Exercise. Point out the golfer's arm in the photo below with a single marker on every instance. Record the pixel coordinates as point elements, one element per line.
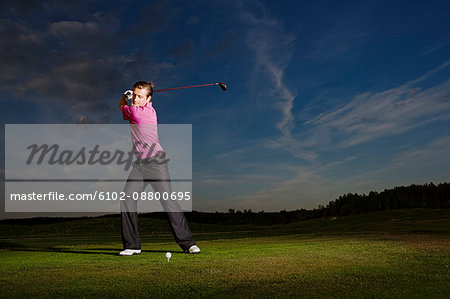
<point>122,102</point>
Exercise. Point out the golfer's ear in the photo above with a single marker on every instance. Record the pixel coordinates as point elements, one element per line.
<point>149,99</point>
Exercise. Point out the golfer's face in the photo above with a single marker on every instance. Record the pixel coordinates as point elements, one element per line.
<point>140,97</point>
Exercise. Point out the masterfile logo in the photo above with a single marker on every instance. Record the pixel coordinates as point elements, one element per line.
<point>83,168</point>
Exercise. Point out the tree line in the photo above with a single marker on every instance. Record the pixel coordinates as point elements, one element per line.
<point>412,197</point>
<point>415,196</point>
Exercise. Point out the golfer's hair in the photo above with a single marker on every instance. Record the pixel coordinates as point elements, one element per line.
<point>145,85</point>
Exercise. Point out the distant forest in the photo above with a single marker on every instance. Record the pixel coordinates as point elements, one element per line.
<point>412,197</point>
<point>429,196</point>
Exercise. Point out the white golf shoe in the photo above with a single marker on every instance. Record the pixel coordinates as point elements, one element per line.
<point>130,252</point>
<point>194,249</point>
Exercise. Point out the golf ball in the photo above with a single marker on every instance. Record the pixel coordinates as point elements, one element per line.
<point>168,255</point>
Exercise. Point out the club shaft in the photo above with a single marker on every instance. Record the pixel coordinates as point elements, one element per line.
<point>184,87</point>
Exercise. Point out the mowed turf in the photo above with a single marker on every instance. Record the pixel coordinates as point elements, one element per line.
<point>318,258</point>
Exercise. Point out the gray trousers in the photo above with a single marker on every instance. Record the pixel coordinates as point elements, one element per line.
<point>157,175</point>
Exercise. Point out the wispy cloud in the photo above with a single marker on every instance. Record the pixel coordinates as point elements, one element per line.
<point>438,46</point>
<point>272,46</point>
<point>369,116</point>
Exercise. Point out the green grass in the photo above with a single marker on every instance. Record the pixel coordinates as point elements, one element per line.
<point>392,254</point>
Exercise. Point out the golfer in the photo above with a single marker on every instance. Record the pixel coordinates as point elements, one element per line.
<point>151,167</point>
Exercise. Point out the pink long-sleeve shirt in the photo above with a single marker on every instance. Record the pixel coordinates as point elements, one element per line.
<point>144,130</point>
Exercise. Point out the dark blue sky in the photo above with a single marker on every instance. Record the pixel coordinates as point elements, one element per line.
<point>324,98</point>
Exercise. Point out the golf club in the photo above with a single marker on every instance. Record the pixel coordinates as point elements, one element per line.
<point>222,85</point>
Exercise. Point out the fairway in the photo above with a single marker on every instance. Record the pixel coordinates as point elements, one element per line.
<point>258,263</point>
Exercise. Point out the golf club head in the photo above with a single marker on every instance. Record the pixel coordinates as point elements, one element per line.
<point>222,85</point>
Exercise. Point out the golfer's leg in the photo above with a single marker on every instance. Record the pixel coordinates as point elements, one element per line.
<point>177,221</point>
<point>180,230</point>
<point>130,233</point>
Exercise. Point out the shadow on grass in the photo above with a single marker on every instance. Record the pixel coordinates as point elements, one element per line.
<point>13,246</point>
